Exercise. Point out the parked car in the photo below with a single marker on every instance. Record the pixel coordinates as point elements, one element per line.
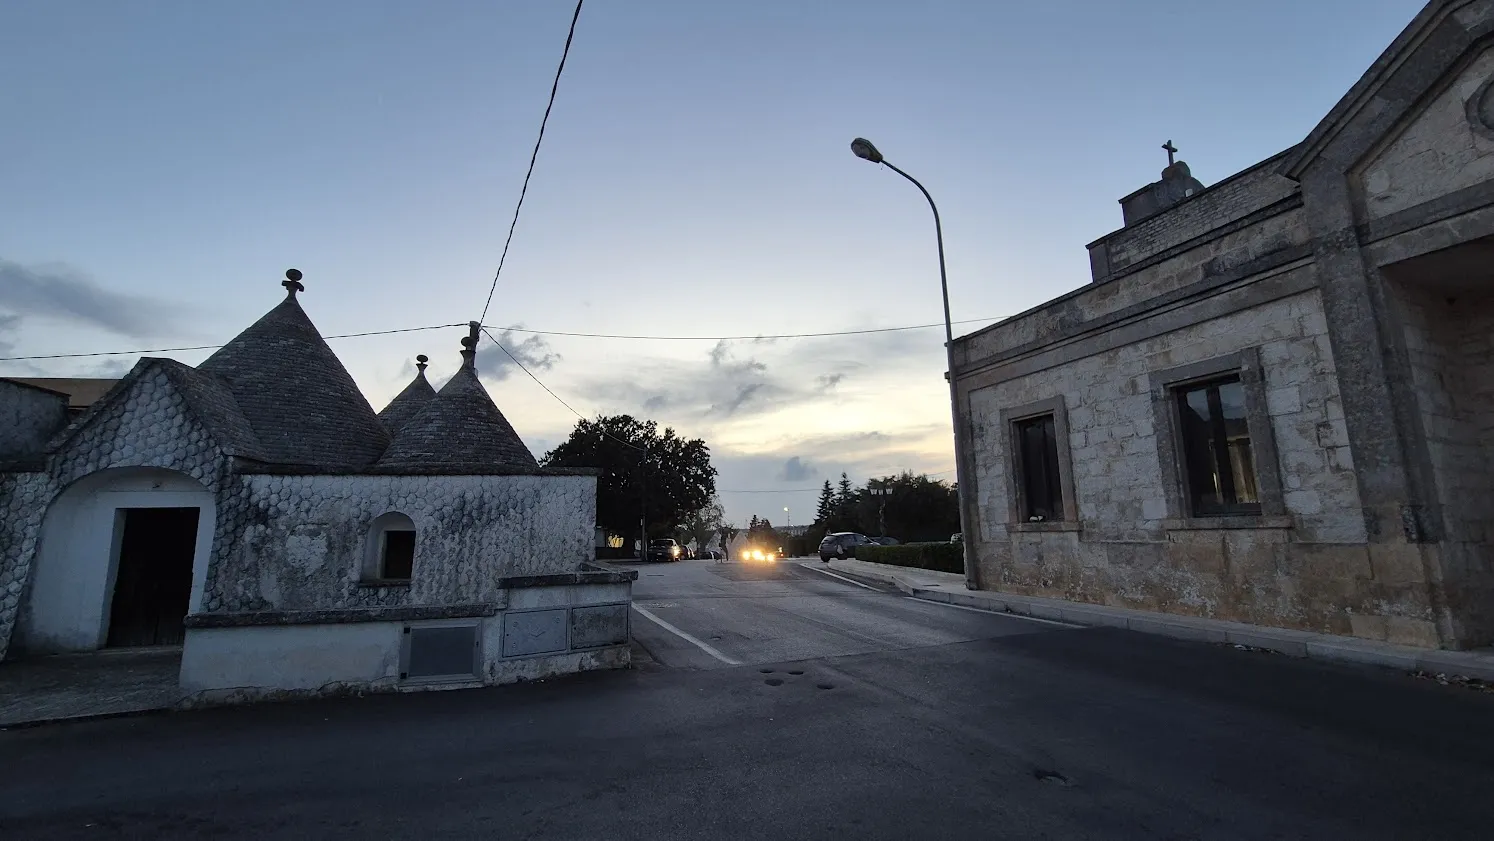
<point>665,549</point>
<point>842,544</point>
<point>885,541</point>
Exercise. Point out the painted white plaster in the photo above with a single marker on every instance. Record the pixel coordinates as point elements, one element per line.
<point>77,558</point>
<point>293,657</point>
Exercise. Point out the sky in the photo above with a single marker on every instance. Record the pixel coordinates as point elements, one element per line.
<point>164,162</point>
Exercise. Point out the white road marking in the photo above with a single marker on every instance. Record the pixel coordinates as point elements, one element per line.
<point>841,577</point>
<point>703,646</point>
<point>996,613</point>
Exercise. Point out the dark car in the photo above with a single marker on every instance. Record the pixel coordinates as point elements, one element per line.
<point>666,549</point>
<point>842,544</point>
<point>885,541</point>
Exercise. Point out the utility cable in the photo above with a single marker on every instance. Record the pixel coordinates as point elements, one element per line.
<point>552,393</point>
<point>521,330</point>
<point>215,347</point>
<point>741,338</point>
<point>534,156</point>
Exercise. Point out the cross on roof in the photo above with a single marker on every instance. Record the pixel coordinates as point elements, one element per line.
<point>1171,150</point>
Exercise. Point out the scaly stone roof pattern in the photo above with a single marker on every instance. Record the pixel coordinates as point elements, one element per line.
<point>408,403</point>
<point>461,427</point>
<point>295,394</point>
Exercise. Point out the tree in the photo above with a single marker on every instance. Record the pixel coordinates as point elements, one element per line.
<point>632,456</point>
<point>920,508</point>
<point>826,509</point>
<point>703,526</point>
<point>761,534</point>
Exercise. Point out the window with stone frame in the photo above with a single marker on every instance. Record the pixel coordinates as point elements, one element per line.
<point>1039,480</point>
<point>1218,460</point>
<point>390,558</point>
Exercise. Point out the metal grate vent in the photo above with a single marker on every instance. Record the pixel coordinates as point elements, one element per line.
<point>442,652</point>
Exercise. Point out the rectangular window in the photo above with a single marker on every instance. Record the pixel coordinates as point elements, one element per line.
<point>1037,447</point>
<point>1219,465</point>
<point>399,555</point>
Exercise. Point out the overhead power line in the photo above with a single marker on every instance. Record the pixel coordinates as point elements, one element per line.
<point>552,393</point>
<point>214,347</point>
<point>534,156</point>
<point>517,330</point>
<point>804,490</point>
<point>743,338</point>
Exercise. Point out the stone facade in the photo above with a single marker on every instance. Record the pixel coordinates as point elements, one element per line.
<point>1345,284</point>
<point>295,510</point>
<point>298,542</point>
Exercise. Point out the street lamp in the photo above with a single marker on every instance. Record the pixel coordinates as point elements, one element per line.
<point>864,149</point>
<point>881,492</point>
<point>787,517</point>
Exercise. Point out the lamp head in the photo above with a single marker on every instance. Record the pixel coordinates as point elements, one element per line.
<point>864,150</point>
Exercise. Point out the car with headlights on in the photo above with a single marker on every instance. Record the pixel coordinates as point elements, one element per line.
<point>760,554</point>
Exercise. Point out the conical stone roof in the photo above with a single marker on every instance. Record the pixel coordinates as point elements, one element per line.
<point>460,428</point>
<point>408,403</point>
<point>303,406</point>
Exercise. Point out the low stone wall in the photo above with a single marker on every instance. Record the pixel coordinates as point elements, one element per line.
<point>543,627</point>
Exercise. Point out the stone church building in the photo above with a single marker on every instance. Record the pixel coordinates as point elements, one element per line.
<point>257,512</point>
<point>1274,403</point>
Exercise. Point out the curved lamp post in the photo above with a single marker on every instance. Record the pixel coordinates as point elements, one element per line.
<point>864,149</point>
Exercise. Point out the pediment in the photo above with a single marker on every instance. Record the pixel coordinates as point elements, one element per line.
<point>1408,81</point>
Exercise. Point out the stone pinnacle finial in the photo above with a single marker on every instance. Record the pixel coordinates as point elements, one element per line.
<point>469,345</point>
<point>420,361</point>
<point>292,282</point>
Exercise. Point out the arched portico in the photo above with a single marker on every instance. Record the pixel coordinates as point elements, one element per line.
<point>122,558</point>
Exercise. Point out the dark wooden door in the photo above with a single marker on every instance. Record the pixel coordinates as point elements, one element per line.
<point>154,583</point>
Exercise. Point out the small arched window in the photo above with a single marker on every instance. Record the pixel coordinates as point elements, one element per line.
<point>391,548</point>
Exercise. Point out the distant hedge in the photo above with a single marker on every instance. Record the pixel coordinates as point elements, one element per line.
<point>943,557</point>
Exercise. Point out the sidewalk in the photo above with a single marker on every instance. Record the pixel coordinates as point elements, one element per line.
<point>75,686</point>
<point>950,588</point>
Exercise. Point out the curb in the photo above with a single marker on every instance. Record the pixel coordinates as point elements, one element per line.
<point>77,719</point>
<point>1303,644</point>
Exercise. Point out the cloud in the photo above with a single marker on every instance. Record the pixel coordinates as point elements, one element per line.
<point>64,293</point>
<point>829,381</point>
<point>797,470</point>
<point>534,352</point>
<point>9,326</point>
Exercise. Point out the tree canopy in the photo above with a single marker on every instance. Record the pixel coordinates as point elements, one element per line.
<point>917,508</point>
<point>633,457</point>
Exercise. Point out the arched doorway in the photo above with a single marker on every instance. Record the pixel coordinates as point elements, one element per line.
<point>122,559</point>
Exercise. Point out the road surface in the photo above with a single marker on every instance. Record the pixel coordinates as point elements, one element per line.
<point>827,710</point>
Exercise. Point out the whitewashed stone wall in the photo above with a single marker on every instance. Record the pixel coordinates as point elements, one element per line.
<point>1438,153</point>
<point>27,417</point>
<point>288,542</point>
<point>301,539</point>
<point>1117,473</point>
<point>150,427</point>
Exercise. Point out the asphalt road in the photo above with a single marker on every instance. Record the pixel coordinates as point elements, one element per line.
<point>881,717</point>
